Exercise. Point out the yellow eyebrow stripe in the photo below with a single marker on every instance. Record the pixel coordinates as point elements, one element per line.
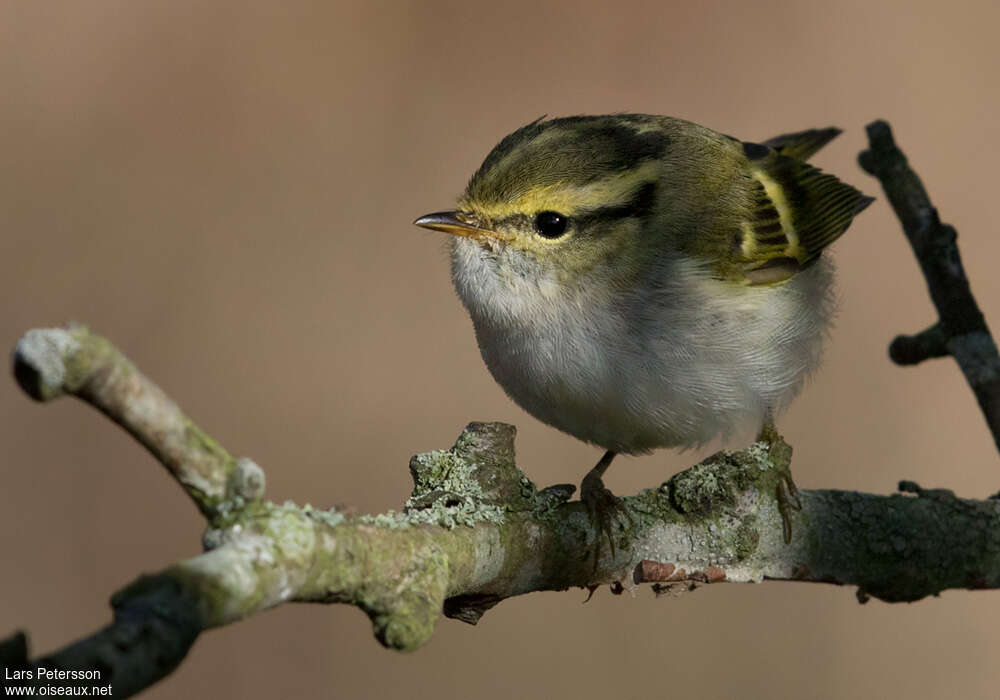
<point>571,199</point>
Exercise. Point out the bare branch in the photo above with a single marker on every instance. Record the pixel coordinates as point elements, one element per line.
<point>961,330</point>
<point>913,349</point>
<point>153,629</point>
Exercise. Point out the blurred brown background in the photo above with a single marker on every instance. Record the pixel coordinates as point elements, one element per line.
<point>225,189</point>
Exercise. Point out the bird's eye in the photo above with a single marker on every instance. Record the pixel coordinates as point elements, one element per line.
<point>551,224</point>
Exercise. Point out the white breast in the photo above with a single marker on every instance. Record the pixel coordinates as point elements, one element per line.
<point>692,361</point>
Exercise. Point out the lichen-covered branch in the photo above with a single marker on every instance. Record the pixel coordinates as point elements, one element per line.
<point>51,362</point>
<point>476,530</point>
<point>961,329</point>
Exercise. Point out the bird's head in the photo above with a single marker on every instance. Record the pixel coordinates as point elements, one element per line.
<point>565,195</point>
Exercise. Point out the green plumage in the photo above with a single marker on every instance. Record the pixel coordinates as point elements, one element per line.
<point>796,210</point>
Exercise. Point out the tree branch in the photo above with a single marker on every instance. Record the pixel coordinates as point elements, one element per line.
<point>476,530</point>
<point>51,362</point>
<point>961,329</point>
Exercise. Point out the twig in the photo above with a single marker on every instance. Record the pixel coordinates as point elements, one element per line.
<point>51,362</point>
<point>961,330</point>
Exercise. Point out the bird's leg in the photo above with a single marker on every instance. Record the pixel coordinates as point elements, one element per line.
<point>786,491</point>
<point>603,507</point>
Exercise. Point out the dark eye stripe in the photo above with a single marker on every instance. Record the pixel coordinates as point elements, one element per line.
<point>514,221</point>
<point>639,205</point>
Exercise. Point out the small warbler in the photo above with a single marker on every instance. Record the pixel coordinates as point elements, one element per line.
<point>640,281</point>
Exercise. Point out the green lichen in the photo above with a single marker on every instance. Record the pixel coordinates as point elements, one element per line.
<point>759,455</point>
<point>711,485</point>
<point>446,492</point>
<point>90,352</point>
<point>709,495</point>
<point>200,442</point>
<point>542,503</point>
<point>747,538</point>
<point>225,509</point>
<point>207,486</point>
<point>704,488</point>
<point>404,617</point>
<point>465,513</point>
<point>329,517</point>
<point>650,507</point>
<point>466,442</point>
<point>441,470</point>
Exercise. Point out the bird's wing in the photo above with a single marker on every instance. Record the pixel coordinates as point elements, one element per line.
<point>803,144</point>
<point>795,210</point>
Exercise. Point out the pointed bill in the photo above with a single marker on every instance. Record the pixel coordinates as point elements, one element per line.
<point>458,224</point>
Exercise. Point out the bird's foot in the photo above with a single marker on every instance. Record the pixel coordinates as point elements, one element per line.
<point>786,492</point>
<point>607,512</point>
<point>788,501</point>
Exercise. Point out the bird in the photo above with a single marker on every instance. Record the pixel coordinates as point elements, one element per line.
<point>641,282</point>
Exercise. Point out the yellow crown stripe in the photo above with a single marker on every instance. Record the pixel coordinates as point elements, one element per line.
<point>569,199</point>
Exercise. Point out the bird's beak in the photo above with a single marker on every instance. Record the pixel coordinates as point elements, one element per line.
<point>457,224</point>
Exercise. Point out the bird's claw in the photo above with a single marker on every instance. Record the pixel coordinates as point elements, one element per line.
<point>788,501</point>
<point>786,492</point>
<point>606,511</point>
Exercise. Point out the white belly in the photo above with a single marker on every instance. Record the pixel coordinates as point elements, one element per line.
<point>698,360</point>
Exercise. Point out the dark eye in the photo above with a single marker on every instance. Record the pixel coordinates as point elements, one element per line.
<point>551,224</point>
